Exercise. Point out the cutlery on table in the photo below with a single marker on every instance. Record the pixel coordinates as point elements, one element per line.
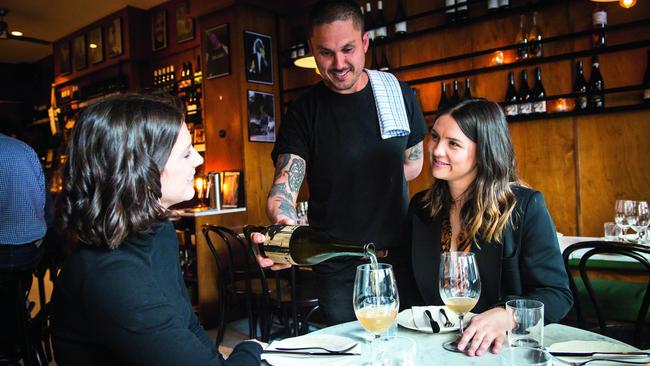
<point>630,354</point>
<point>345,349</point>
<point>311,353</point>
<point>434,326</point>
<point>447,323</point>
<point>618,361</point>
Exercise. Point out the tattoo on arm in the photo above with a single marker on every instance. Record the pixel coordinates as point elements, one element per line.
<point>287,209</point>
<point>280,191</point>
<point>281,163</point>
<point>416,152</point>
<point>296,174</point>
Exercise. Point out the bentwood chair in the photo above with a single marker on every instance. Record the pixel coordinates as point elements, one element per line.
<point>621,331</point>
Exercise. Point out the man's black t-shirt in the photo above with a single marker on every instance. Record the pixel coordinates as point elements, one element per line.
<point>357,189</point>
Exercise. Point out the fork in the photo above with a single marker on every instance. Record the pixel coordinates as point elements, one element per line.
<point>447,323</point>
<point>619,361</point>
<point>347,348</point>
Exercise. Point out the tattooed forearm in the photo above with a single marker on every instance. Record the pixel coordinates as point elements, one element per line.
<point>416,152</point>
<point>280,190</point>
<point>296,174</point>
<point>287,209</point>
<point>281,163</point>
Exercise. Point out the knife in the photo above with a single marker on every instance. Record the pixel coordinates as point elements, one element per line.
<point>592,354</point>
<point>435,328</point>
<point>312,353</point>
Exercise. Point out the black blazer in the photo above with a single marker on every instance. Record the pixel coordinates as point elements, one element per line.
<point>528,264</point>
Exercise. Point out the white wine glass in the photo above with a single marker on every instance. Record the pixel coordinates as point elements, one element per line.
<point>642,218</point>
<point>460,287</point>
<point>624,210</point>
<point>375,299</point>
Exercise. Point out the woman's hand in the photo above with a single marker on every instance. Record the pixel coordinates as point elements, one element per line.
<point>485,329</point>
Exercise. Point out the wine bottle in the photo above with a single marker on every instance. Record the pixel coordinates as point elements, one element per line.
<point>304,245</point>
<point>535,39</point>
<point>455,96</point>
<point>380,31</point>
<point>468,92</point>
<point>374,65</point>
<point>450,13</point>
<point>383,63</point>
<point>511,96</point>
<point>400,18</point>
<point>539,103</point>
<point>596,86</point>
<point>443,102</point>
<point>580,87</point>
<point>504,4</point>
<point>492,6</point>
<point>525,95</point>
<point>646,79</point>
<point>522,41</point>
<point>370,24</point>
<point>599,22</point>
<point>462,10</point>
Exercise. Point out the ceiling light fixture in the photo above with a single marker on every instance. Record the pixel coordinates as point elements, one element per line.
<point>627,3</point>
<point>308,62</point>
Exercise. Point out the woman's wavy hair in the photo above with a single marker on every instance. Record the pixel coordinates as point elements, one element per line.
<point>111,178</point>
<point>489,200</point>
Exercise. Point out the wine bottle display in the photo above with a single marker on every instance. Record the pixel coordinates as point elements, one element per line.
<point>462,11</point>
<point>535,36</point>
<point>380,31</point>
<point>370,24</point>
<point>596,86</point>
<point>511,96</point>
<point>442,103</point>
<point>599,22</point>
<point>400,18</point>
<point>525,105</point>
<point>451,10</point>
<point>522,40</point>
<point>467,94</point>
<point>539,103</point>
<point>303,245</point>
<point>580,87</point>
<point>383,63</point>
<point>455,95</point>
<point>492,5</point>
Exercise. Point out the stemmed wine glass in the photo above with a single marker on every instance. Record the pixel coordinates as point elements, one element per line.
<point>460,287</point>
<point>642,218</point>
<point>375,299</point>
<point>624,215</point>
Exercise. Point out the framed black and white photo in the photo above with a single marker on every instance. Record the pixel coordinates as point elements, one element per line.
<point>216,48</point>
<point>261,116</point>
<point>79,52</point>
<point>184,23</point>
<point>95,46</point>
<point>114,38</point>
<point>64,59</point>
<point>159,30</point>
<point>258,58</point>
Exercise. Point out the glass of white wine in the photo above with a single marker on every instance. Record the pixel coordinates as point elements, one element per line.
<point>375,299</point>
<point>624,215</point>
<point>460,287</point>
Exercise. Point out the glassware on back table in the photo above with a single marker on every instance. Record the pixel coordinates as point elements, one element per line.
<point>460,287</point>
<point>375,299</point>
<point>642,218</point>
<point>624,212</point>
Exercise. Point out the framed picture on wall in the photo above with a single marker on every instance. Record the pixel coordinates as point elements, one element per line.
<point>95,46</point>
<point>79,52</point>
<point>258,58</point>
<point>216,50</point>
<point>64,58</point>
<point>261,116</point>
<point>114,38</point>
<point>159,30</point>
<point>184,23</point>
<point>232,190</point>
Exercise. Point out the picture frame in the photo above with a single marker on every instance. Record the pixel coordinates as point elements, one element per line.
<point>232,192</point>
<point>261,116</point>
<point>65,66</point>
<point>79,52</point>
<point>198,135</point>
<point>258,58</point>
<point>114,38</point>
<point>159,30</point>
<point>184,23</point>
<point>216,51</point>
<point>95,46</point>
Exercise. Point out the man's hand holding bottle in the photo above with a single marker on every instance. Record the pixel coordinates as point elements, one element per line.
<point>258,239</point>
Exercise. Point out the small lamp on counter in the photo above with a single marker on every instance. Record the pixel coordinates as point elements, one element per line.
<point>199,184</point>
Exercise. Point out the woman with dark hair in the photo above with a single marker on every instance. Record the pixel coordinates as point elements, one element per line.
<point>120,298</point>
<point>477,204</point>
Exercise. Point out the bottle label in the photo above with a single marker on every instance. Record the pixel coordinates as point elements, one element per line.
<point>381,32</point>
<point>503,3</point>
<point>511,110</point>
<point>450,3</point>
<point>539,106</point>
<point>400,27</point>
<point>371,34</point>
<point>582,102</point>
<point>525,108</point>
<point>462,5</point>
<point>599,18</point>
<point>277,243</point>
<point>493,4</point>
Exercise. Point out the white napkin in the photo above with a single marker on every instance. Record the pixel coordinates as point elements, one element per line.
<point>421,320</point>
<point>391,110</point>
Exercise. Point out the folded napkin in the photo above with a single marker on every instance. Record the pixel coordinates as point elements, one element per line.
<point>391,110</point>
<point>420,319</point>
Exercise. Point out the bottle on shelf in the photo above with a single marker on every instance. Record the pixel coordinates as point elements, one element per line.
<point>380,31</point>
<point>492,6</point>
<point>524,99</point>
<point>522,40</point>
<point>599,22</point>
<point>369,22</point>
<point>462,10</point>
<point>455,95</point>
<point>646,79</point>
<point>450,12</point>
<point>596,85</point>
<point>374,63</point>
<point>580,87</point>
<point>539,94</point>
<point>511,99</point>
<point>504,4</point>
<point>400,18</point>
<point>383,63</point>
<point>535,38</point>
<point>467,94</point>
<point>304,245</point>
<point>443,102</point>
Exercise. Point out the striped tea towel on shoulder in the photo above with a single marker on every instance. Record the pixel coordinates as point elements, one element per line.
<point>391,111</point>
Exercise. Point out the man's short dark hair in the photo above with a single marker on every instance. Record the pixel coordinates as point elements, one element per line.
<point>329,11</point>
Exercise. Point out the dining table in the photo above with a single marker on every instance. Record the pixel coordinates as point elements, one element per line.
<point>429,350</point>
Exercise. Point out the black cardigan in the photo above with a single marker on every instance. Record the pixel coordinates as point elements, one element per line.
<point>129,306</point>
<point>528,264</point>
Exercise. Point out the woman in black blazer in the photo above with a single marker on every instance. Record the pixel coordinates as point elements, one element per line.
<point>477,204</point>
